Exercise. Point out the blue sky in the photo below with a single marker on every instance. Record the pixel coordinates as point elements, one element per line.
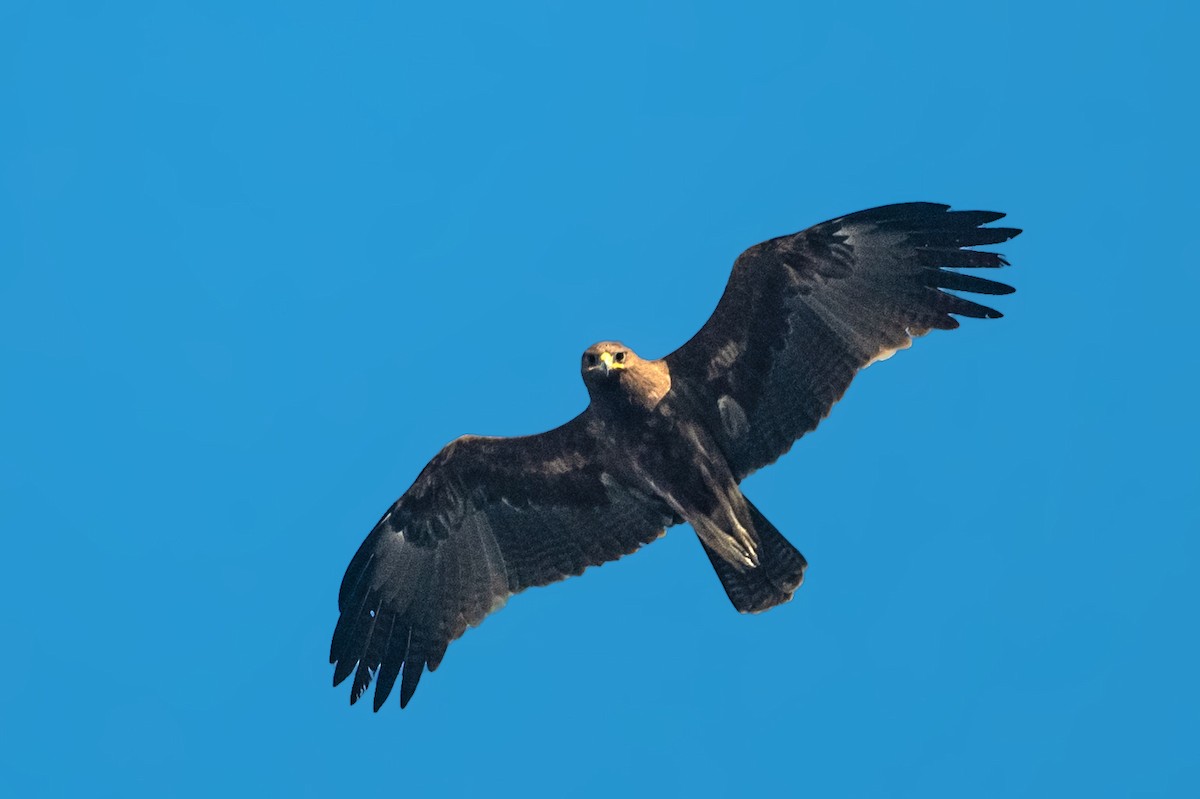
<point>258,262</point>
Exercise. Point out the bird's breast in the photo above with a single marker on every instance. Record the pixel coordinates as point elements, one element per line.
<point>656,454</point>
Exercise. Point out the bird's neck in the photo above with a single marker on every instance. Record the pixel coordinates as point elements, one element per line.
<point>634,390</point>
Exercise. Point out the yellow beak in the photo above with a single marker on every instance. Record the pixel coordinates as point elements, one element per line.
<point>606,358</point>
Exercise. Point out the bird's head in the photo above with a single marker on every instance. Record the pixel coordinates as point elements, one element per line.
<point>612,371</point>
<point>606,360</point>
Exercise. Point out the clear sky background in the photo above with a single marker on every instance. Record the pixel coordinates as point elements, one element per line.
<point>259,261</point>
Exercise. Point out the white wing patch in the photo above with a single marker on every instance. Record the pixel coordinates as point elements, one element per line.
<point>733,418</point>
<point>884,354</point>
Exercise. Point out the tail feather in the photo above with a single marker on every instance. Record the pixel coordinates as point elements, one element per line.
<point>779,573</point>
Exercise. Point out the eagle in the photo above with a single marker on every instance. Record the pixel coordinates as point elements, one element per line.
<point>662,441</point>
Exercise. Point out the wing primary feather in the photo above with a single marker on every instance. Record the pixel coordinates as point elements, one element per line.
<point>973,218</point>
<point>345,631</point>
<point>414,665</point>
<point>963,237</point>
<point>896,212</point>
<point>393,659</point>
<point>358,570</point>
<point>957,305</point>
<point>349,656</point>
<point>937,278</point>
<point>368,659</point>
<point>959,259</point>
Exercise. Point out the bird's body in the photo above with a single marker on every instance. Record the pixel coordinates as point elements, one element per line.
<point>645,443</point>
<point>662,442</point>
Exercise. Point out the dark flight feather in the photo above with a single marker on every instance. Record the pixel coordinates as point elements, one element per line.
<point>488,517</point>
<point>802,314</point>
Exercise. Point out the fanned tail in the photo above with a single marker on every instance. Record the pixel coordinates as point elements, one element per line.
<point>773,582</point>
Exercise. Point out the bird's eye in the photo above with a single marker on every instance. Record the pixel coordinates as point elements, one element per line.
<point>619,357</point>
<point>590,358</point>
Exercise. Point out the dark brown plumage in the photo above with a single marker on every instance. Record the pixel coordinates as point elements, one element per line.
<point>662,441</point>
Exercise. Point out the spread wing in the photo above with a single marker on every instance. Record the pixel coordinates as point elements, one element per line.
<point>488,517</point>
<point>802,314</point>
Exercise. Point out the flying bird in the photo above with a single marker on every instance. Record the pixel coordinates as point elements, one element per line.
<point>662,441</point>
